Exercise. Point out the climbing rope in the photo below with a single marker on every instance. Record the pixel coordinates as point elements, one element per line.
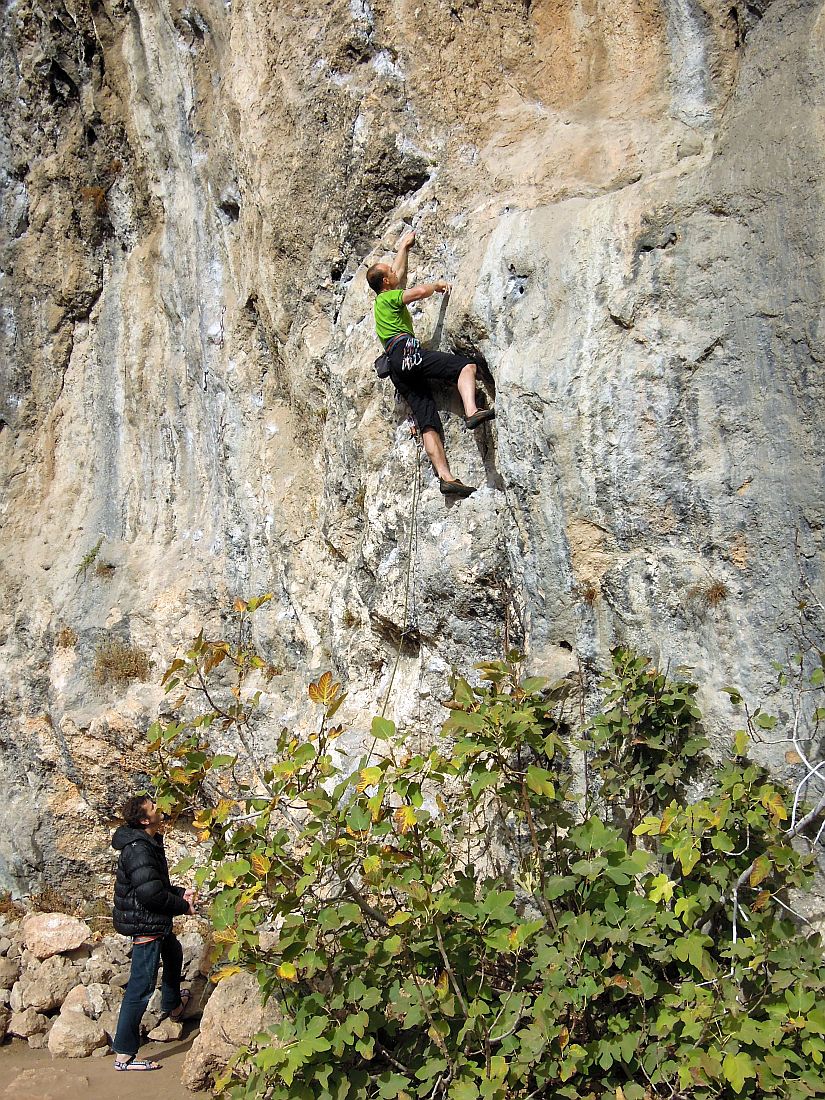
<point>409,584</point>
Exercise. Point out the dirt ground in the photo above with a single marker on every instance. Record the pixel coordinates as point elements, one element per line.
<point>27,1074</point>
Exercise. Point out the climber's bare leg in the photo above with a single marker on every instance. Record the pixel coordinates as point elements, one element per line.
<point>434,447</point>
<point>467,389</point>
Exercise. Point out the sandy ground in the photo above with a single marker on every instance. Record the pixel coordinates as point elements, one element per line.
<point>27,1074</point>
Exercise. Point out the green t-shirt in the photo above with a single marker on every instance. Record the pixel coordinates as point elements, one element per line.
<point>391,315</point>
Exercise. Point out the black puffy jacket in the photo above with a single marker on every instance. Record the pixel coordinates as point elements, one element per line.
<point>145,899</point>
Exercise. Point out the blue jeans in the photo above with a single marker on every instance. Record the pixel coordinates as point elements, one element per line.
<point>146,958</point>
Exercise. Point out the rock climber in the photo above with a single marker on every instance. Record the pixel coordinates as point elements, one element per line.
<point>413,368</point>
<point>145,903</point>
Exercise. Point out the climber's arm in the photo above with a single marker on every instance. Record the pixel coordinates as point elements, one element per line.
<point>424,290</point>
<point>399,264</point>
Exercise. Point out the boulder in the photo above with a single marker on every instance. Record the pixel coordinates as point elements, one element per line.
<point>195,961</point>
<point>26,1023</point>
<point>102,998</point>
<point>9,972</point>
<point>74,1035</point>
<point>48,986</point>
<point>77,1000</point>
<point>108,1021</point>
<point>5,945</point>
<point>233,1014</point>
<point>166,1031</point>
<point>98,969</point>
<point>47,934</point>
<point>115,948</point>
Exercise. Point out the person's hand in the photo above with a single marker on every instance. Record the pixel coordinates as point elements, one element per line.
<point>441,287</point>
<point>407,241</point>
<point>191,897</point>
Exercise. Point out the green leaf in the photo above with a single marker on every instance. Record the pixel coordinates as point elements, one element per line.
<point>358,819</point>
<point>383,729</point>
<point>540,782</point>
<point>303,754</point>
<point>738,1068</point>
<point>465,720</point>
<point>463,1090</point>
<point>661,889</point>
<point>231,871</point>
<point>183,865</point>
<point>480,780</point>
<point>534,684</point>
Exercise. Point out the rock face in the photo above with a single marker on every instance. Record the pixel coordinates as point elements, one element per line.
<point>626,199</point>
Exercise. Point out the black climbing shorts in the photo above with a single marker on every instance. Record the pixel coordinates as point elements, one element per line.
<point>414,385</point>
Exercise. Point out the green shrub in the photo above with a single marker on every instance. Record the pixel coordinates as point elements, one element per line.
<point>461,923</point>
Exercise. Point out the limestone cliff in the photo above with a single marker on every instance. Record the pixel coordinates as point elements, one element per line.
<point>627,197</point>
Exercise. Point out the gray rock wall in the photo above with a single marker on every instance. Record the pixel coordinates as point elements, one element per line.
<point>627,199</point>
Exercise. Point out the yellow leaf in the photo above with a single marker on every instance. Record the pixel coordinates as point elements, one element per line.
<point>761,870</point>
<point>399,918</point>
<point>223,809</point>
<point>405,818</point>
<point>225,935</point>
<point>239,605</point>
<point>372,867</point>
<point>288,972</point>
<point>762,899</point>
<point>443,985</point>
<point>225,972</point>
<point>619,1093</point>
<point>741,742</point>
<point>376,805</point>
<point>564,1038</point>
<point>324,690</point>
<point>260,864</point>
<point>368,777</point>
<point>775,806</point>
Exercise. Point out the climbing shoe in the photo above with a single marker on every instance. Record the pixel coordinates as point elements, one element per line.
<point>455,488</point>
<point>479,418</point>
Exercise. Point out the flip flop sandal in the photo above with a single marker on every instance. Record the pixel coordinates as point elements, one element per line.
<point>142,1065</point>
<point>177,1015</point>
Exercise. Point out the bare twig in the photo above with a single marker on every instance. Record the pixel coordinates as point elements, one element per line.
<point>449,969</point>
<point>789,835</point>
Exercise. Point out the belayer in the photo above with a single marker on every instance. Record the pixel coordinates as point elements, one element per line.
<point>412,368</point>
